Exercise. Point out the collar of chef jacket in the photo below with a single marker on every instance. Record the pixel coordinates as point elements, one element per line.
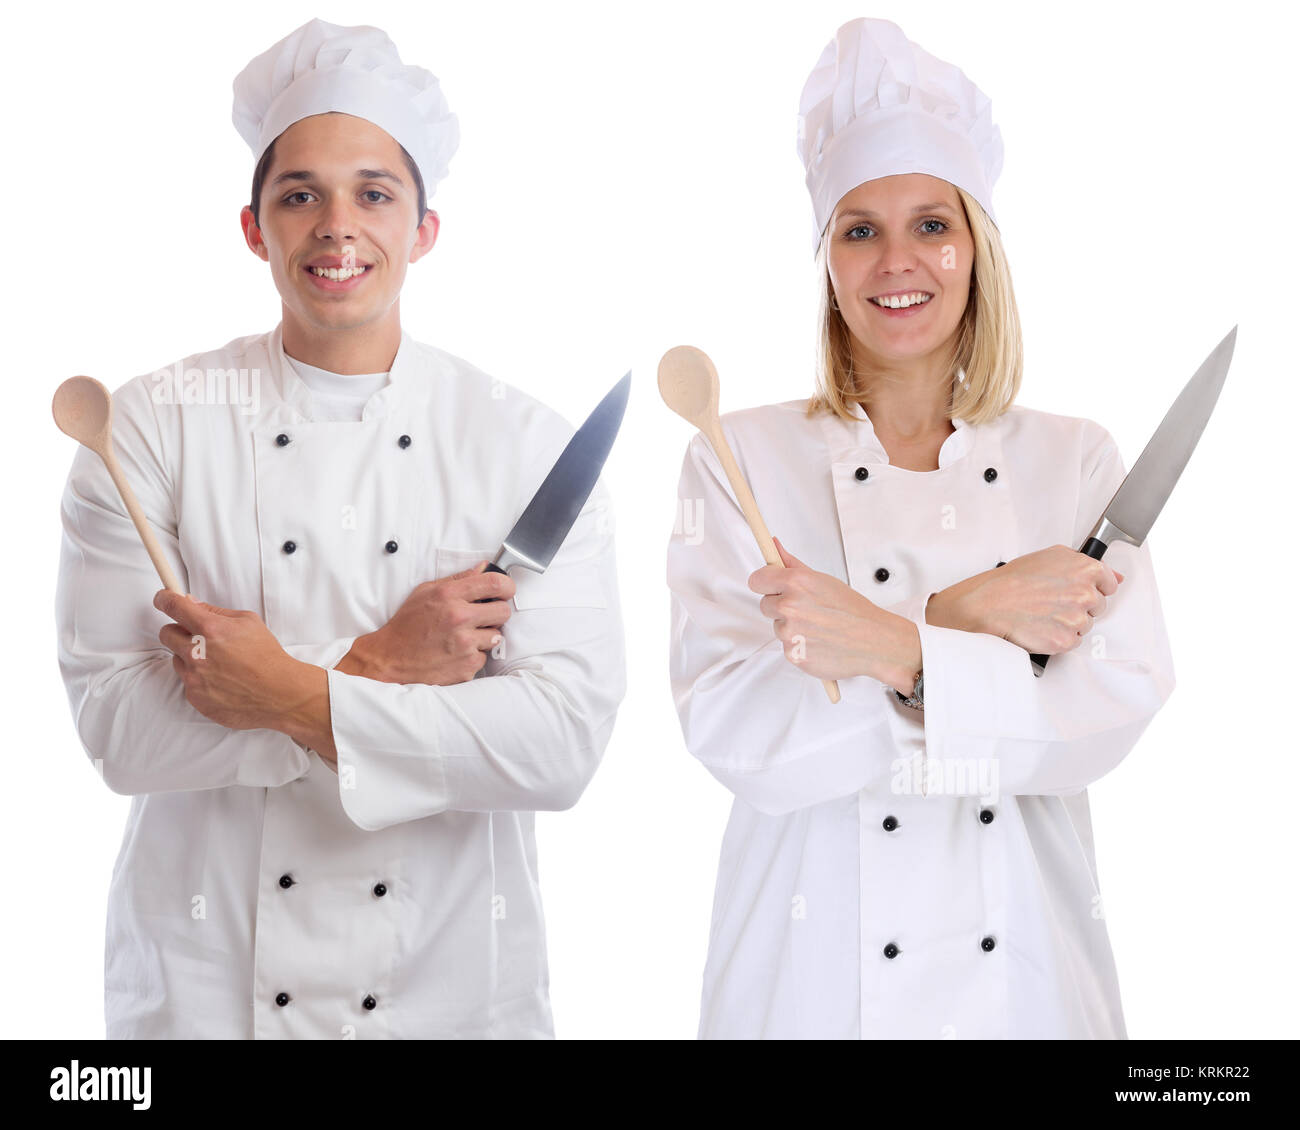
<point>297,394</point>
<point>865,442</point>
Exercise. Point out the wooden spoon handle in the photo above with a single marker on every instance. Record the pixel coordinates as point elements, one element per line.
<point>713,432</point>
<point>141,523</point>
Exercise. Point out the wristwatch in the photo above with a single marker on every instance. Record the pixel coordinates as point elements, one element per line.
<point>917,699</point>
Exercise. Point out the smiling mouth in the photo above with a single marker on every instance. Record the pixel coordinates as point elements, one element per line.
<point>338,274</point>
<point>902,301</point>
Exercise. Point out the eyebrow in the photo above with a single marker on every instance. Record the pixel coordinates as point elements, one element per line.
<point>933,207</point>
<point>301,175</point>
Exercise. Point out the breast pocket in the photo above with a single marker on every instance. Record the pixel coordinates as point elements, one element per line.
<point>448,561</point>
<point>530,630</point>
<point>575,586</point>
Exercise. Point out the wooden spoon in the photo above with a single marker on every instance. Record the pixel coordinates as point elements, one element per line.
<point>83,409</point>
<point>688,383</point>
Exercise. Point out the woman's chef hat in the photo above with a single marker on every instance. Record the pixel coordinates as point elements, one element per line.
<point>876,104</point>
<point>356,70</point>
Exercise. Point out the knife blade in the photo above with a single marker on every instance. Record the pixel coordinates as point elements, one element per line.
<point>548,518</point>
<point>1137,503</point>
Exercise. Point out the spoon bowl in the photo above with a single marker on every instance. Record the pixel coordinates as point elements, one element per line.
<point>83,409</point>
<point>688,383</point>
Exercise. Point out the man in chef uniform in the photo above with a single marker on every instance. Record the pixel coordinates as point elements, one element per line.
<point>335,745</point>
<point>917,860</point>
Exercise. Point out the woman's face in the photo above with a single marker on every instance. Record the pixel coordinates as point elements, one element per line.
<point>900,235</point>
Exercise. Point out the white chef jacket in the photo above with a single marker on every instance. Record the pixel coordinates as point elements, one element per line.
<point>399,897</point>
<point>888,872</point>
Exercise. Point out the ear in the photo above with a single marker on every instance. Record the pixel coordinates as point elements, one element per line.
<point>426,235</point>
<point>253,234</point>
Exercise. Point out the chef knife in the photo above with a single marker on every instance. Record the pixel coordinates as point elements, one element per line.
<point>547,519</point>
<point>1135,505</point>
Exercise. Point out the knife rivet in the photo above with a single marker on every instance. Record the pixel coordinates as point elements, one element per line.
<point>403,441</point>
<point>391,546</point>
<point>860,474</point>
<point>990,474</point>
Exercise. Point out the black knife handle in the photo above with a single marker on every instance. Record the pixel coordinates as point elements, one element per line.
<point>1095,549</point>
<point>492,567</point>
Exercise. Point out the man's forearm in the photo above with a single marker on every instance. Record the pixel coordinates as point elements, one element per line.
<point>364,659</point>
<point>305,716</point>
<point>307,713</point>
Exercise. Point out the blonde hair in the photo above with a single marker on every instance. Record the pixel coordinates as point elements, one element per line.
<point>987,347</point>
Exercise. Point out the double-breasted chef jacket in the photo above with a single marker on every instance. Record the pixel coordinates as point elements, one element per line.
<point>257,892</point>
<point>888,872</point>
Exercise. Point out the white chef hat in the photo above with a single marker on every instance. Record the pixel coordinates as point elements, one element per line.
<point>877,104</point>
<point>356,70</point>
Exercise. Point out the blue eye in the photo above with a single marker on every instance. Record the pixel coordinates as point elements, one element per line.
<point>849,234</point>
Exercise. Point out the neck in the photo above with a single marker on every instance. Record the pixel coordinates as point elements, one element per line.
<point>368,348</point>
<point>906,400</point>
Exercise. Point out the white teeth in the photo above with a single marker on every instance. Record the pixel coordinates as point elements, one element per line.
<point>336,273</point>
<point>902,301</point>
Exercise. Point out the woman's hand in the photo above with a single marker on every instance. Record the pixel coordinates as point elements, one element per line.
<point>831,630</point>
<point>1045,601</point>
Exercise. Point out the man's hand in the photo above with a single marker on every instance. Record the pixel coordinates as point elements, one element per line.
<point>234,670</point>
<point>236,673</point>
<point>439,635</point>
<point>831,630</point>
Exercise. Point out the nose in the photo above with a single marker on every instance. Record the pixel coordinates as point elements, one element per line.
<point>896,254</point>
<point>337,221</point>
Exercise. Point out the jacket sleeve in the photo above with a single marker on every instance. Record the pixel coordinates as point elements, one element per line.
<point>127,703</point>
<point>528,732</point>
<point>761,726</point>
<point>988,720</point>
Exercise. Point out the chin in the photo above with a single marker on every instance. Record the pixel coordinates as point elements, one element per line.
<point>911,351</point>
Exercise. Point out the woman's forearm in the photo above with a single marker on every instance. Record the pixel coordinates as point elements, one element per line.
<point>958,606</point>
<point>893,645</point>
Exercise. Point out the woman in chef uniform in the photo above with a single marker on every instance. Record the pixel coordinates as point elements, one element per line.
<point>916,860</point>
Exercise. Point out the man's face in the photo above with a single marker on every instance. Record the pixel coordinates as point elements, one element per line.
<point>338,199</point>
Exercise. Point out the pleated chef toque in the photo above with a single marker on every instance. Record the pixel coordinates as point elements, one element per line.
<point>877,104</point>
<point>356,70</point>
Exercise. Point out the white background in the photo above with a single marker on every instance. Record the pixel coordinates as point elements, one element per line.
<point>627,181</point>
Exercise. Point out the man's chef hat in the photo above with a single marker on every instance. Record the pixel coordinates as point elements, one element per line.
<point>322,67</point>
<point>877,104</point>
